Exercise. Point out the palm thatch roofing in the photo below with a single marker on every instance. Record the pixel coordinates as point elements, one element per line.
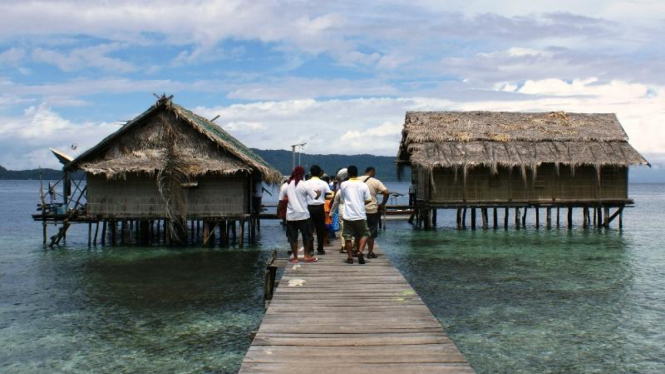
<point>167,132</point>
<point>508,139</point>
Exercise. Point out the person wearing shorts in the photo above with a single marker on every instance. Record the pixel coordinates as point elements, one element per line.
<point>374,208</point>
<point>356,195</point>
<point>297,214</point>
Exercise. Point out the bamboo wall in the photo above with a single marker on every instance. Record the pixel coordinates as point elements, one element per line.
<point>137,197</point>
<point>510,185</point>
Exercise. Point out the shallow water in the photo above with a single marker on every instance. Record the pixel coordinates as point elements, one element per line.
<point>527,301</point>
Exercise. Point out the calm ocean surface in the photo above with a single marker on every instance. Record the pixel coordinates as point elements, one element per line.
<point>527,301</point>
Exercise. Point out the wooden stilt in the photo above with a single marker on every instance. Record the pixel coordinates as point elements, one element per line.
<point>496,218</point>
<point>44,231</point>
<point>517,218</point>
<point>222,230</point>
<point>585,213</point>
<point>242,232</point>
<point>505,218</point>
<point>434,217</point>
<point>89,234</point>
<point>606,223</point>
<point>206,233</point>
<point>94,240</point>
<point>104,232</point>
<point>621,218</point>
<point>537,217</point>
<point>570,217</point>
<point>473,218</point>
<point>191,231</point>
<point>549,217</point>
<point>464,218</point>
<point>526,209</point>
<point>558,211</point>
<point>483,213</point>
<point>459,218</point>
<point>595,216</point>
<point>114,232</point>
<point>167,232</point>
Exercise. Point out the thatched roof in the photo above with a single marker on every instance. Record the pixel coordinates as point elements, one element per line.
<point>167,130</point>
<point>467,139</point>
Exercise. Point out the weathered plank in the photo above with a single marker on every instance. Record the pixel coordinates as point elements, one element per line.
<point>330,317</point>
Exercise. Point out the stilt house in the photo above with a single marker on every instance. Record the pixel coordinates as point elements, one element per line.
<point>171,164</point>
<point>480,159</point>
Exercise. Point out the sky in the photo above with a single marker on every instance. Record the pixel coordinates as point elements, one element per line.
<point>337,75</point>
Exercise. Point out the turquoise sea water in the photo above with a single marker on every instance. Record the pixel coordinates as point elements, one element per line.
<point>516,301</point>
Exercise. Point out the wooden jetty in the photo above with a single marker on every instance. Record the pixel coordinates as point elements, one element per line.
<point>332,317</point>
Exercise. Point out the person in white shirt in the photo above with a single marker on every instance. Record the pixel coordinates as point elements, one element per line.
<point>356,195</point>
<point>374,208</point>
<point>315,206</point>
<point>297,214</point>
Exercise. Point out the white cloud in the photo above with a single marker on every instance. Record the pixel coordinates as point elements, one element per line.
<point>25,139</point>
<point>12,56</point>
<point>80,58</point>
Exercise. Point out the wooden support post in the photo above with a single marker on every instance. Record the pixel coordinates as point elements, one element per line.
<point>94,240</point>
<point>167,232</point>
<point>570,217</point>
<point>558,211</point>
<point>473,218</point>
<point>621,218</point>
<point>517,217</point>
<point>483,213</point>
<point>233,230</point>
<point>600,216</point>
<point>526,209</point>
<point>496,218</point>
<point>104,232</point>
<point>198,228</point>
<point>222,231</point>
<point>242,231</point>
<point>606,214</point>
<point>505,218</point>
<point>434,217</point>
<point>206,233</point>
<point>213,228</point>
<point>549,217</point>
<point>537,208</point>
<point>613,216</point>
<point>89,234</point>
<point>459,218</point>
<point>464,219</point>
<point>191,231</point>
<point>44,230</point>
<point>585,213</point>
<point>595,216</point>
<point>114,232</point>
<point>123,227</point>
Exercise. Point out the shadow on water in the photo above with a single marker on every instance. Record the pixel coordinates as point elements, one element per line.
<point>526,301</point>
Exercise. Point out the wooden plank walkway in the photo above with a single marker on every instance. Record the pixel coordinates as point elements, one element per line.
<point>331,317</point>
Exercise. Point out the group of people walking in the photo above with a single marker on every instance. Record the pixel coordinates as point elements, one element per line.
<point>310,203</point>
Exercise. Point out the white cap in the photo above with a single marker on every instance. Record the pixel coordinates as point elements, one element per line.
<point>342,174</point>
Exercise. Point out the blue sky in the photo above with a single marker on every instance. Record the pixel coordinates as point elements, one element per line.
<point>337,75</point>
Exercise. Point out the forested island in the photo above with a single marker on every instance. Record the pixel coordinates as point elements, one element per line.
<point>280,159</point>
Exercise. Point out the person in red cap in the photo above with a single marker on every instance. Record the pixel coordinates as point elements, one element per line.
<point>297,214</point>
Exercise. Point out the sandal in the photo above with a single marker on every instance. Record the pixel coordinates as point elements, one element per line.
<point>311,259</point>
<point>349,261</point>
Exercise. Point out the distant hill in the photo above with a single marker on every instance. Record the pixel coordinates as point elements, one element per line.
<point>47,174</point>
<point>283,160</point>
